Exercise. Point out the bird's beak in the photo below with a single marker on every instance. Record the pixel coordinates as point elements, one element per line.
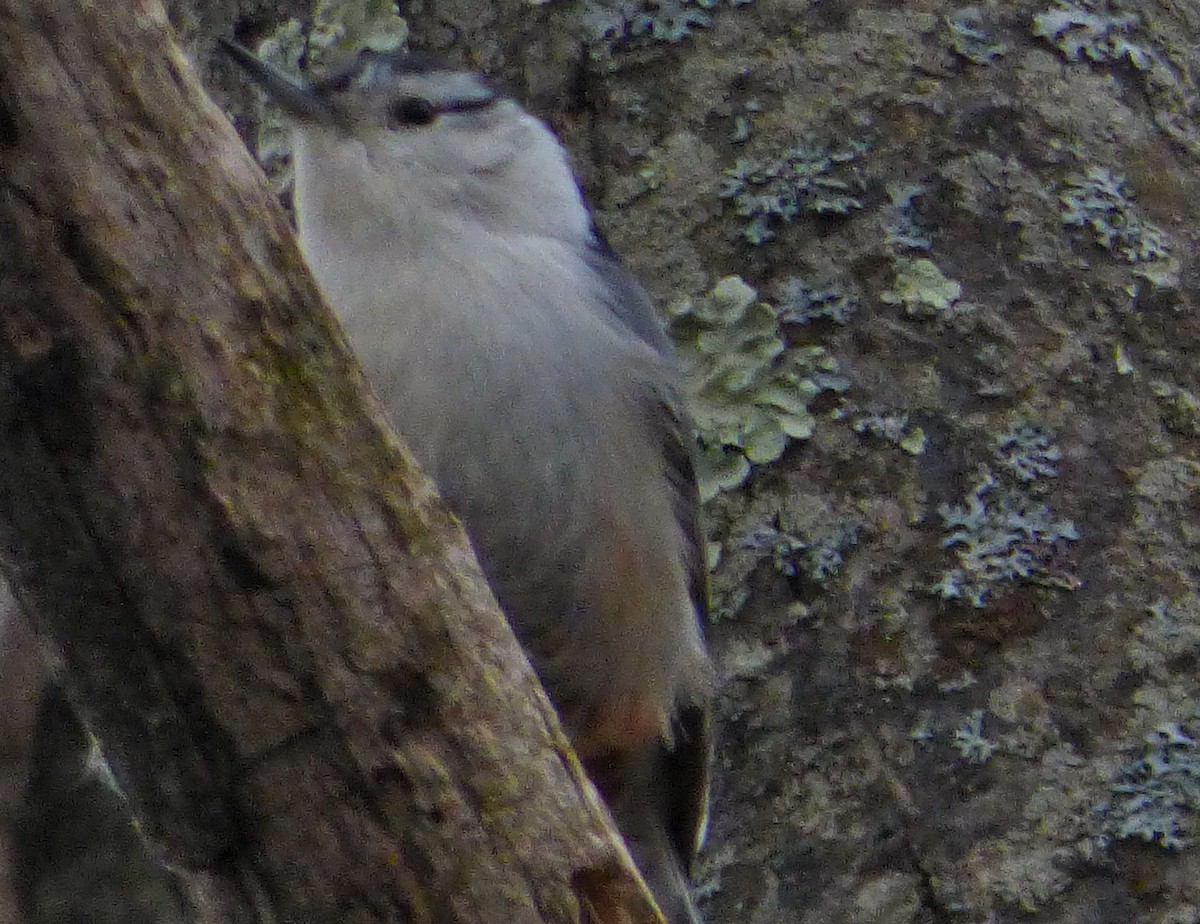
<point>299,100</point>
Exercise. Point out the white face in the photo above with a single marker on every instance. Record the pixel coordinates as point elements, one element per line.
<point>414,140</point>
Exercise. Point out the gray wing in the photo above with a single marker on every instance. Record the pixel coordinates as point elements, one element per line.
<point>624,296</point>
<point>677,438</point>
<point>688,764</point>
<point>632,308</point>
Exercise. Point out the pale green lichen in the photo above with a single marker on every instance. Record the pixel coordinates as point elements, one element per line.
<point>613,24</point>
<point>1169,637</point>
<point>1083,34</point>
<point>922,732</point>
<point>892,427</point>
<point>653,171</point>
<point>1093,33</point>
<point>799,538</point>
<point>964,681</point>
<point>809,178</point>
<point>799,553</point>
<point>1098,200</point>
<point>914,442</point>
<point>1002,535</point>
<point>750,390</point>
<point>1121,360</point>
<point>1157,797</point>
<point>1028,452</point>
<point>969,741</point>
<point>743,122</point>
<point>1180,409</point>
<point>970,40</point>
<point>803,301</point>
<point>921,289</point>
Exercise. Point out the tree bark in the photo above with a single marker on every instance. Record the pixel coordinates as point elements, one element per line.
<point>264,612</point>
<point>20,684</point>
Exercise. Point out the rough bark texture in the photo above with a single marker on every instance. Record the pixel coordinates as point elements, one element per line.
<point>21,678</point>
<point>263,611</point>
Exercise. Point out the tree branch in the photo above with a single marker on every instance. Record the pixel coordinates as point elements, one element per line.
<point>267,616</point>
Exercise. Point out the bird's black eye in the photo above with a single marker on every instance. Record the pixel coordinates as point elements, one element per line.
<point>410,111</point>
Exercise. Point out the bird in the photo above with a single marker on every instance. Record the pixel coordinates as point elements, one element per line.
<point>527,370</point>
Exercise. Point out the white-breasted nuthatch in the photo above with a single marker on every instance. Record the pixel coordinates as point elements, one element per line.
<point>527,371</point>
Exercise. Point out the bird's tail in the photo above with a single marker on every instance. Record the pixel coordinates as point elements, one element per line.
<point>640,788</point>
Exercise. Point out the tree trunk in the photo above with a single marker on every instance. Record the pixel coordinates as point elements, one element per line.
<point>264,612</point>
<point>20,684</point>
